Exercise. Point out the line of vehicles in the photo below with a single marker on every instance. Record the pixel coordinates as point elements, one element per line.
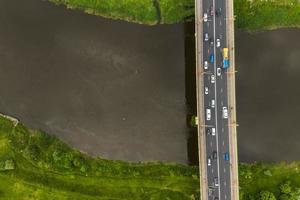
<point>223,65</point>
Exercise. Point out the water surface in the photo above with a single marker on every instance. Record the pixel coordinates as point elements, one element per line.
<point>109,88</point>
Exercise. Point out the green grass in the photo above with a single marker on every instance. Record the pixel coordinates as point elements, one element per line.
<point>35,165</point>
<point>254,15</point>
<point>138,11</point>
<point>259,15</point>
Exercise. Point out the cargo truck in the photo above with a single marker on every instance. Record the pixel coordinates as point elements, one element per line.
<point>225,58</point>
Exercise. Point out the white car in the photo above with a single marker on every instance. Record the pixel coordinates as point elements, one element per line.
<point>205,64</point>
<point>216,181</point>
<point>225,112</point>
<point>206,90</point>
<point>218,43</point>
<point>205,17</point>
<point>213,131</point>
<point>208,161</point>
<point>212,79</point>
<point>212,103</point>
<point>208,114</point>
<point>206,37</point>
<point>218,71</point>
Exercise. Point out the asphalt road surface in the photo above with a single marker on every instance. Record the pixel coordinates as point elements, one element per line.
<point>218,173</point>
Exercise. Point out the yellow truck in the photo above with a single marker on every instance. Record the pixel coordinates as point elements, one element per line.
<point>225,58</point>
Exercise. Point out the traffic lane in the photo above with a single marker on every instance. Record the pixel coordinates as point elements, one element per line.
<point>210,139</point>
<point>224,136</point>
<point>223,130</point>
<point>212,171</point>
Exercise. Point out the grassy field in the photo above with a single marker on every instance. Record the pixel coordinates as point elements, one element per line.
<point>256,15</point>
<point>139,11</point>
<point>251,15</point>
<point>35,165</point>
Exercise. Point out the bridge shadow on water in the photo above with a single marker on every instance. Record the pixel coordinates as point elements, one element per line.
<point>190,90</point>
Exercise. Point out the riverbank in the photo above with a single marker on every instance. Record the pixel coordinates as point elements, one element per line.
<point>39,166</point>
<point>35,165</point>
<point>139,11</point>
<point>254,15</point>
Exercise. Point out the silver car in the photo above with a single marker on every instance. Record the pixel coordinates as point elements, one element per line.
<point>218,71</point>
<point>212,79</point>
<point>208,161</point>
<point>213,131</point>
<point>206,90</point>
<point>205,17</point>
<point>225,112</point>
<point>212,103</point>
<point>216,181</point>
<point>206,37</point>
<point>208,114</point>
<point>218,43</point>
<point>205,64</point>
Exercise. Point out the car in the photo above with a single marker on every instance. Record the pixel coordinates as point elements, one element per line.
<point>215,155</point>
<point>219,71</point>
<point>225,112</point>
<point>212,58</point>
<point>218,12</point>
<point>208,131</point>
<point>211,42</point>
<point>226,156</point>
<point>208,161</point>
<point>210,191</point>
<point>208,114</point>
<point>212,78</point>
<point>206,90</point>
<point>213,131</point>
<point>211,10</point>
<point>205,17</point>
<point>218,43</point>
<point>206,37</point>
<point>205,65</point>
<point>216,181</point>
<point>212,103</point>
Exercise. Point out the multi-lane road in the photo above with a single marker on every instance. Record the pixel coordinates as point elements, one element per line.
<point>216,100</point>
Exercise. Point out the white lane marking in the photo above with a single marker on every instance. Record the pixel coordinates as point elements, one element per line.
<point>221,90</point>
<point>223,143</point>
<point>220,22</point>
<point>225,196</point>
<point>211,144</point>
<point>212,170</point>
<point>222,103</point>
<point>224,170</point>
<point>224,183</point>
<point>216,108</point>
<point>222,129</point>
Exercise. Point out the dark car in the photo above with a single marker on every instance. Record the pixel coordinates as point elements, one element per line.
<point>218,12</point>
<point>208,131</point>
<point>211,42</point>
<point>215,155</point>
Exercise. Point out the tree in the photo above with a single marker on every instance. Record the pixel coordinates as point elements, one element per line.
<point>286,188</point>
<point>266,195</point>
<point>9,165</point>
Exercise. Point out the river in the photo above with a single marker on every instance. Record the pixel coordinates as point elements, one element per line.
<point>118,90</point>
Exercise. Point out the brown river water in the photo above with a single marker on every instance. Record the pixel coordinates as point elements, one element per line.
<point>121,91</point>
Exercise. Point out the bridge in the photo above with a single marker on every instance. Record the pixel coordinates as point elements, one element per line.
<point>216,109</point>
